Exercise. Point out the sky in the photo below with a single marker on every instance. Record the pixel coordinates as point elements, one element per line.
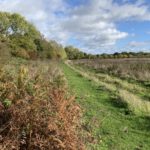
<point>94,26</point>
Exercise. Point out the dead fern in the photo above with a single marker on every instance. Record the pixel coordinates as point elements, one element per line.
<point>40,115</point>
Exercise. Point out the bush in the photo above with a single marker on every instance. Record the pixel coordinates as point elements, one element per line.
<point>21,53</point>
<point>22,42</point>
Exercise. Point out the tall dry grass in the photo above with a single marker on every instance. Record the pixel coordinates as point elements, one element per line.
<point>133,68</point>
<point>135,104</point>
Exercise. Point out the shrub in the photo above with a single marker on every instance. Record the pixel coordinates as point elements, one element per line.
<point>20,53</point>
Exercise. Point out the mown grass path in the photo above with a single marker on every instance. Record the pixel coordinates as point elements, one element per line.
<point>135,103</point>
<point>112,126</point>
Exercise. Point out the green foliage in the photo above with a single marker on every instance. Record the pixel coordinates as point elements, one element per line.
<point>74,53</point>
<point>60,52</point>
<point>20,34</point>
<point>7,103</point>
<point>25,40</point>
<point>18,25</point>
<point>22,53</point>
<point>50,49</point>
<point>4,23</point>
<point>125,55</point>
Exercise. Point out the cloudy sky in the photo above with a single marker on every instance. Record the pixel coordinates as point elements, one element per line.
<point>95,26</point>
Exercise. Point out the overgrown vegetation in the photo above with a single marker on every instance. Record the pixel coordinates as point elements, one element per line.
<point>36,111</point>
<point>134,68</point>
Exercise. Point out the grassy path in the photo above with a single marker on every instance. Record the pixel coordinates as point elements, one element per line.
<point>135,103</point>
<point>107,120</point>
<point>135,88</point>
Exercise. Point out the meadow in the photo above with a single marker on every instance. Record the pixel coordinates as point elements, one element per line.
<point>71,105</point>
<point>126,68</point>
<point>60,98</point>
<point>117,109</point>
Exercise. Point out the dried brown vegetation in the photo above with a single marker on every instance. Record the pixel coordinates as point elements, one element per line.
<point>133,68</point>
<point>36,113</point>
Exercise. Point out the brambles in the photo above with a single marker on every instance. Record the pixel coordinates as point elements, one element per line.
<point>35,111</point>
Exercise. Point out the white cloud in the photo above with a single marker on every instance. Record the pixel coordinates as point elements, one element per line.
<point>139,44</point>
<point>93,24</point>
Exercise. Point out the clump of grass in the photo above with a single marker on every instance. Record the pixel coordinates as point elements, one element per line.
<point>135,103</point>
<point>36,112</point>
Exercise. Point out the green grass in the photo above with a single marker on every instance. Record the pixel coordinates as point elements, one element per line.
<point>135,103</point>
<point>106,118</point>
<point>135,87</point>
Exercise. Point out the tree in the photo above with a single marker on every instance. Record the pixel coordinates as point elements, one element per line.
<point>4,23</point>
<point>25,40</point>
<point>74,53</point>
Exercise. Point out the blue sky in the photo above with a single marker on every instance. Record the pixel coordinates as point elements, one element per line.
<point>94,26</point>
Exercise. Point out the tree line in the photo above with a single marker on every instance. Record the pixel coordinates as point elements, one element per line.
<point>75,53</point>
<point>25,40</point>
